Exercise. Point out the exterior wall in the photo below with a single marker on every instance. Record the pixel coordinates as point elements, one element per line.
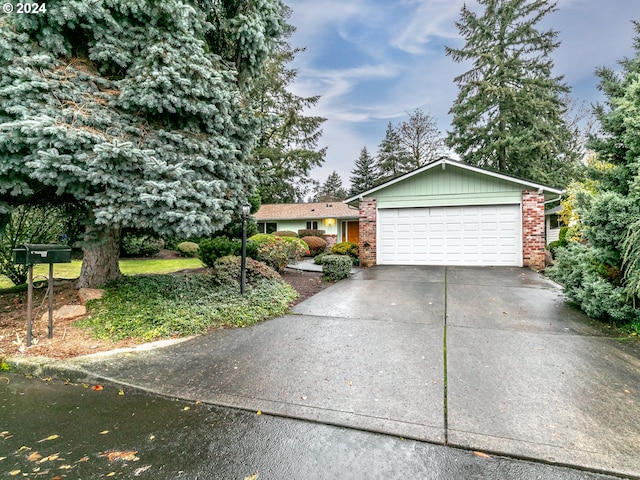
<point>368,232</point>
<point>295,225</point>
<point>449,187</point>
<point>533,230</point>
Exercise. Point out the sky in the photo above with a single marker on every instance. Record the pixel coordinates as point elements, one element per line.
<point>375,61</point>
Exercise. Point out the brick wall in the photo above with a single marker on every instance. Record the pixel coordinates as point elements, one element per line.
<point>367,241</point>
<point>533,234</point>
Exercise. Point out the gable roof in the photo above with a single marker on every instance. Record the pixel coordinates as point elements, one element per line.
<point>442,162</point>
<point>303,211</point>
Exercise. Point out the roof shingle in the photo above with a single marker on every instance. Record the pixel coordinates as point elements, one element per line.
<point>295,211</point>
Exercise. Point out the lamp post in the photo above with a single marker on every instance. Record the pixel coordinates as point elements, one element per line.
<point>246,209</point>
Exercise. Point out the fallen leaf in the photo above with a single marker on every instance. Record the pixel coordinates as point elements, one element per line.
<point>259,412</point>
<point>50,437</point>
<point>151,437</point>
<point>627,390</point>
<point>65,467</point>
<point>186,408</point>
<point>253,476</point>
<point>97,388</point>
<point>127,456</point>
<point>104,432</point>
<point>50,458</point>
<point>481,454</point>
<point>13,473</point>
<point>111,474</point>
<point>83,459</point>
<point>34,457</point>
<point>140,470</point>
<point>350,383</point>
<point>121,392</point>
<point>23,448</point>
<point>3,458</point>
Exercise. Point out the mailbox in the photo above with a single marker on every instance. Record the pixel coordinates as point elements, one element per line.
<point>31,254</point>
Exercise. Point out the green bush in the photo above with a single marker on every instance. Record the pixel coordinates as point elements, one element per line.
<point>226,271</point>
<point>277,252</point>
<point>139,245</point>
<point>188,249</point>
<point>310,232</point>
<point>592,285</point>
<point>316,245</point>
<point>318,259</point>
<point>212,249</point>
<point>336,267</point>
<point>29,224</point>
<point>285,233</point>
<point>150,307</point>
<point>346,248</point>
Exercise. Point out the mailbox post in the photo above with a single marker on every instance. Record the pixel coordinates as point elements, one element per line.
<point>30,254</point>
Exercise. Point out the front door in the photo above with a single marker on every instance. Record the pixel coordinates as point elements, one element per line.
<point>353,231</point>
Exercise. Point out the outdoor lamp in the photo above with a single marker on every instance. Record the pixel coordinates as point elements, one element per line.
<point>246,209</point>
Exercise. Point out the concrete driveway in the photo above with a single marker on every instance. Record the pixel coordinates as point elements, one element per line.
<point>488,359</point>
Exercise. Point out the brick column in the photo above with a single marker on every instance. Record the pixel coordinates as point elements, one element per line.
<point>367,225</point>
<point>533,232</point>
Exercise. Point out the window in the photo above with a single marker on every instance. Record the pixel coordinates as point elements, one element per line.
<point>312,225</point>
<point>555,221</point>
<point>267,227</point>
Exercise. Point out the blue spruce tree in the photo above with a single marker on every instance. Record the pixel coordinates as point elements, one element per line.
<point>135,112</point>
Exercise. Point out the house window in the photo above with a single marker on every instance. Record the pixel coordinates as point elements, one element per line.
<point>555,221</point>
<point>267,227</point>
<point>312,225</point>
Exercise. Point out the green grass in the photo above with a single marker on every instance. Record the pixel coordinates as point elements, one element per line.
<point>163,306</point>
<point>127,266</point>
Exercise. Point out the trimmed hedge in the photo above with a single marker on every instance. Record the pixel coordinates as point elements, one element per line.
<point>346,248</point>
<point>188,249</point>
<point>336,267</point>
<point>212,249</point>
<point>285,233</point>
<point>310,232</point>
<point>316,245</point>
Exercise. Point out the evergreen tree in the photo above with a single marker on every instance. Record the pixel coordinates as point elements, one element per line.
<point>420,139</point>
<point>331,190</point>
<point>287,149</point>
<point>508,115</point>
<point>363,176</point>
<point>391,159</point>
<point>601,271</point>
<point>136,112</point>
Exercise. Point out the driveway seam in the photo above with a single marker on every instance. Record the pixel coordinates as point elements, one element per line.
<point>444,363</point>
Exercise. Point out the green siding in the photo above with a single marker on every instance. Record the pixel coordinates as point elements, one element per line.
<point>452,186</point>
<point>295,225</point>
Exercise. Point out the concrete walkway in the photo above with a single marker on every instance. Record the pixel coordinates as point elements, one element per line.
<point>488,359</point>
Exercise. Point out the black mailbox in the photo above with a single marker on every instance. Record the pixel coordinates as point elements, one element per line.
<point>31,254</point>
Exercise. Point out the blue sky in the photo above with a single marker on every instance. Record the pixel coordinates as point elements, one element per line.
<point>372,61</point>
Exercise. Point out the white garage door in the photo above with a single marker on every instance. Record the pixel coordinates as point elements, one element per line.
<point>487,235</point>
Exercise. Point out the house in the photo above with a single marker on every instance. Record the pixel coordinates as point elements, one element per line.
<point>553,223</point>
<point>339,221</point>
<point>453,213</point>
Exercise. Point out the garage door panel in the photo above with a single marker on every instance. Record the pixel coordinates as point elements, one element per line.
<point>467,235</point>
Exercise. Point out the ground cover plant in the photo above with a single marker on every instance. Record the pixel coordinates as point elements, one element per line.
<point>152,307</point>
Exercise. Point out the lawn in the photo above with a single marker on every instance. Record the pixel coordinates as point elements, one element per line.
<point>128,266</point>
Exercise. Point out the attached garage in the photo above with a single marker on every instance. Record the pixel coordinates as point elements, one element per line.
<point>451,213</point>
<point>465,235</point>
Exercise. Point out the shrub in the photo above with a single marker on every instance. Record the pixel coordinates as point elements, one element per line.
<point>278,251</point>
<point>319,258</point>
<point>336,267</point>
<point>188,249</point>
<point>212,249</point>
<point>285,233</point>
<point>226,271</point>
<point>310,232</point>
<point>150,307</point>
<point>139,245</point>
<point>588,283</point>
<point>316,245</point>
<point>346,248</point>
<point>28,224</point>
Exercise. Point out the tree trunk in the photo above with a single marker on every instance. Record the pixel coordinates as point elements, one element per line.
<point>101,255</point>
